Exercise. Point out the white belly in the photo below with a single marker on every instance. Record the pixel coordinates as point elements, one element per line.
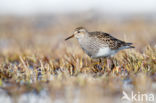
<point>106,52</point>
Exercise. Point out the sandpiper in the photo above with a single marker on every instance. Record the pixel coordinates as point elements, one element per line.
<point>99,44</point>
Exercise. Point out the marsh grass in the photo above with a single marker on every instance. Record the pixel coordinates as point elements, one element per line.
<point>30,62</point>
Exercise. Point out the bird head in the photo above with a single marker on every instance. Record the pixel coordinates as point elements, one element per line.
<point>79,32</point>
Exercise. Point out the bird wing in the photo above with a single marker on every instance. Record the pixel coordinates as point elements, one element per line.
<point>111,41</point>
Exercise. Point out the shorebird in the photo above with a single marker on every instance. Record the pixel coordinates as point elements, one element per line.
<point>99,44</point>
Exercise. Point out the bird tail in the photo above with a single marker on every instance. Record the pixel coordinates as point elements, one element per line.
<point>129,45</point>
<point>126,46</point>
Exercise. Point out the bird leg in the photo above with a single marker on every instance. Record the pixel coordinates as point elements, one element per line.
<point>100,61</point>
<point>110,63</point>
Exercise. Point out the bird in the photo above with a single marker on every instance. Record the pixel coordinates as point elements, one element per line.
<point>98,44</point>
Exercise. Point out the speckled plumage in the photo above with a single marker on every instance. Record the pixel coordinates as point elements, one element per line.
<point>106,38</point>
<point>99,44</point>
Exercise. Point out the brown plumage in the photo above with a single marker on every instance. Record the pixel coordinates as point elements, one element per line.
<point>112,42</point>
<point>98,44</point>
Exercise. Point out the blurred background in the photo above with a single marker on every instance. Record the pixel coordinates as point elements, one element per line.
<point>38,22</point>
<point>118,7</point>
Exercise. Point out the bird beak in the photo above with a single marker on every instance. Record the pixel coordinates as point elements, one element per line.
<point>70,37</point>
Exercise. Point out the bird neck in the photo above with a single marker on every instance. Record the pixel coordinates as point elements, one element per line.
<point>82,39</point>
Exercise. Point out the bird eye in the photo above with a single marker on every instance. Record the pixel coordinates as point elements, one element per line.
<point>78,31</point>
